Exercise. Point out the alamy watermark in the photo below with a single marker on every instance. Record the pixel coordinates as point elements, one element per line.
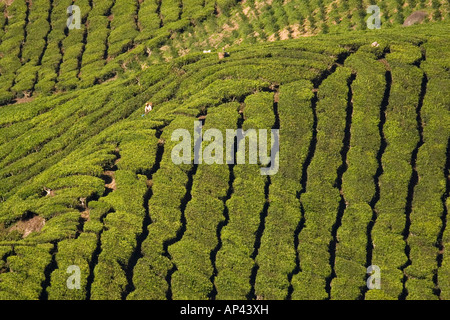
<point>74,20</point>
<point>214,151</point>
<point>74,281</point>
<point>374,280</point>
<point>374,21</point>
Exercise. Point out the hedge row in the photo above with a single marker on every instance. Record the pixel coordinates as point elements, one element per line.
<point>358,181</point>
<point>235,259</point>
<point>436,107</point>
<point>321,200</point>
<point>168,191</point>
<point>170,10</point>
<point>72,252</point>
<point>26,267</point>
<point>95,50</point>
<point>428,205</point>
<point>277,255</point>
<point>123,27</point>
<point>148,19</point>
<point>37,30</point>
<point>51,60</point>
<point>119,240</point>
<point>10,47</point>
<point>203,215</point>
<point>401,134</point>
<point>72,47</point>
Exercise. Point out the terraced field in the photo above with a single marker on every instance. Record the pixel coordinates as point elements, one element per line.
<point>87,180</point>
<point>40,55</point>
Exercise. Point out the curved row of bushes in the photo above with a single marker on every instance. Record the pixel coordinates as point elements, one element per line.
<point>168,190</point>
<point>11,48</point>
<point>95,50</point>
<point>37,30</point>
<point>436,107</point>
<point>277,255</point>
<point>426,231</point>
<point>358,181</point>
<point>203,214</point>
<point>321,200</point>
<point>26,267</point>
<point>402,136</point>
<point>235,259</point>
<point>53,55</point>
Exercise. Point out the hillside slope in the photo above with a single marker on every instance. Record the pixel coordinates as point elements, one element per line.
<point>87,180</point>
<point>39,55</point>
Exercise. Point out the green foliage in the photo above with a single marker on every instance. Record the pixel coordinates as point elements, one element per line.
<point>72,252</point>
<point>214,226</point>
<point>321,200</point>
<point>26,267</point>
<point>358,181</point>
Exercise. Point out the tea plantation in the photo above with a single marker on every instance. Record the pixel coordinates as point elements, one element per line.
<point>88,180</point>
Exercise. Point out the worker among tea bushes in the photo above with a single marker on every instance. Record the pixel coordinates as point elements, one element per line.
<point>148,108</point>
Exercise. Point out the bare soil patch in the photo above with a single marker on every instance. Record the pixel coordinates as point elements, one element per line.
<point>284,34</point>
<point>85,215</point>
<point>28,225</point>
<point>112,185</point>
<point>24,99</point>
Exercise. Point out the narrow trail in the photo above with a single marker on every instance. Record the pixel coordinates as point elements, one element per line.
<point>137,254</point>
<point>412,184</point>
<point>44,50</point>
<point>108,27</point>
<point>158,12</point>
<point>311,151</point>
<point>52,266</point>
<point>84,216</point>
<point>83,41</point>
<point>95,255</point>
<point>61,52</point>
<point>338,184</point>
<point>379,172</point>
<point>259,233</point>
<point>444,217</point>
<point>180,233</point>
<point>49,20</point>
<point>220,227</point>
<point>224,223</point>
<point>25,36</point>
<point>25,32</point>
<point>136,16</point>
<point>265,211</point>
